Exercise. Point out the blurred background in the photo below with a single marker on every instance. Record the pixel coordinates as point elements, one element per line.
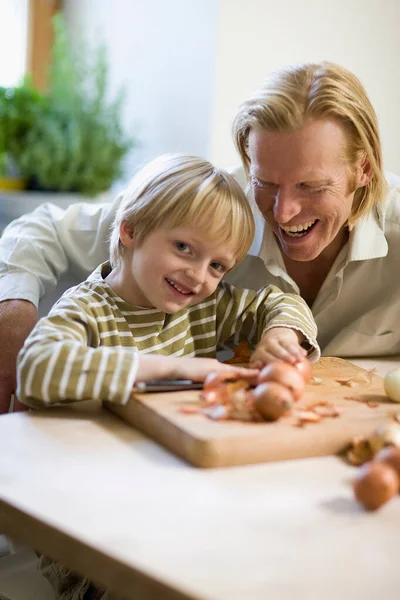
<point>185,65</point>
<point>88,96</point>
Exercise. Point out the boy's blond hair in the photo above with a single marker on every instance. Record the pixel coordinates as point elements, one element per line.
<point>291,96</point>
<point>175,190</point>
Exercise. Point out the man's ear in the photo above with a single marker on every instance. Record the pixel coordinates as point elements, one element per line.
<point>364,172</point>
<point>126,235</point>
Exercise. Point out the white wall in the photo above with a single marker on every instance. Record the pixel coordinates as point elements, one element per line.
<point>257,36</point>
<point>13,41</point>
<point>188,64</point>
<point>163,51</point>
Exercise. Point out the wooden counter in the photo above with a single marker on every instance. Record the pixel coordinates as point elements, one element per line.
<point>83,487</point>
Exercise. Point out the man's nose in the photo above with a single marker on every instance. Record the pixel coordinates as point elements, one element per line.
<point>286,205</point>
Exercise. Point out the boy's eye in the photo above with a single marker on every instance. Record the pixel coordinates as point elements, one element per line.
<point>182,247</point>
<point>217,267</point>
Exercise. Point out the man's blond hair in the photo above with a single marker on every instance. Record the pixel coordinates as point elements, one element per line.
<point>291,96</point>
<point>175,190</point>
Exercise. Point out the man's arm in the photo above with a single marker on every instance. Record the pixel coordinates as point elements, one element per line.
<point>38,248</point>
<point>17,319</point>
<point>35,251</point>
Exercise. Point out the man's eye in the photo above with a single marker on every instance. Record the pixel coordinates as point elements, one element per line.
<point>263,185</point>
<point>257,183</point>
<point>182,247</point>
<point>311,189</point>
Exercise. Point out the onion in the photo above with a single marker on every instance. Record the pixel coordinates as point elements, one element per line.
<point>392,384</point>
<point>375,484</point>
<point>272,400</point>
<point>305,369</point>
<point>387,434</point>
<point>390,456</point>
<point>285,374</point>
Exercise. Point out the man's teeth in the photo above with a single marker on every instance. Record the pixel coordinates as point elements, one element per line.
<point>176,286</point>
<point>297,229</point>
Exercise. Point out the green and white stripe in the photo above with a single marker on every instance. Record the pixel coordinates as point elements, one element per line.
<point>89,344</point>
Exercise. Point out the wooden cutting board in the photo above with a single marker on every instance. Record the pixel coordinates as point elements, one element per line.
<point>207,443</point>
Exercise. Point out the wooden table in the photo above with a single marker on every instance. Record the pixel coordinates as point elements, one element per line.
<point>83,487</point>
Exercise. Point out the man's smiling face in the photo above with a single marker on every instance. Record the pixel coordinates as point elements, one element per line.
<point>303,186</point>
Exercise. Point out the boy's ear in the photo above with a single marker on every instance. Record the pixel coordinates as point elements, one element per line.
<point>126,235</point>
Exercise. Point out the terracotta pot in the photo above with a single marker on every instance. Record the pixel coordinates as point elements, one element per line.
<point>13,184</point>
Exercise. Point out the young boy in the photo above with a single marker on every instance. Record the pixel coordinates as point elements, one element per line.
<point>159,309</point>
<point>160,301</point>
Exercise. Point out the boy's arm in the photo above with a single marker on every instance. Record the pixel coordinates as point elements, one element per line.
<point>279,343</point>
<point>62,361</point>
<point>291,311</point>
<point>246,315</point>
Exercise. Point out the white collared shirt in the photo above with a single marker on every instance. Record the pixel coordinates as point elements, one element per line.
<point>357,309</point>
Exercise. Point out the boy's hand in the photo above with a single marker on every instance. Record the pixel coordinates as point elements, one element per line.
<point>279,343</point>
<point>154,366</point>
<point>197,369</point>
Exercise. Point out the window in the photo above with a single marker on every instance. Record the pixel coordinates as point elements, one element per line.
<point>13,41</point>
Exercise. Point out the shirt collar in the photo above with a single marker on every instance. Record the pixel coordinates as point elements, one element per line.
<point>101,272</point>
<point>272,257</point>
<point>367,239</point>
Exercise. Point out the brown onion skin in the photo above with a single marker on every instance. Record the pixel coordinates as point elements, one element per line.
<point>304,367</point>
<point>215,380</point>
<point>272,400</point>
<point>285,374</point>
<point>376,483</point>
<point>390,456</point>
<point>215,395</point>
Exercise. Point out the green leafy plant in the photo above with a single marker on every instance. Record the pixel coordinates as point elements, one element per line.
<point>76,142</point>
<point>19,107</point>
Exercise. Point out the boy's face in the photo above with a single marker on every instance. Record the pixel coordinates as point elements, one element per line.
<point>175,268</point>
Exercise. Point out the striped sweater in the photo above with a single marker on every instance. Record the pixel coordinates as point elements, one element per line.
<point>89,344</point>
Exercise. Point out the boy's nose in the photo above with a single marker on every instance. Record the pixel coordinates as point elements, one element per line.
<point>196,275</point>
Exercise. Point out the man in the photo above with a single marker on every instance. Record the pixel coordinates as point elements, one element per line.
<point>312,165</point>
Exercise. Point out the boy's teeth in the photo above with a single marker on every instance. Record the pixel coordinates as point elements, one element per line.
<point>297,228</point>
<point>181,290</point>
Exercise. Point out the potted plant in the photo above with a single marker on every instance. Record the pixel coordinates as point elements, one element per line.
<point>18,110</point>
<point>76,142</point>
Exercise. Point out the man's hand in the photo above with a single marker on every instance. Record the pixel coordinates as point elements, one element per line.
<point>279,343</point>
<point>17,319</point>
